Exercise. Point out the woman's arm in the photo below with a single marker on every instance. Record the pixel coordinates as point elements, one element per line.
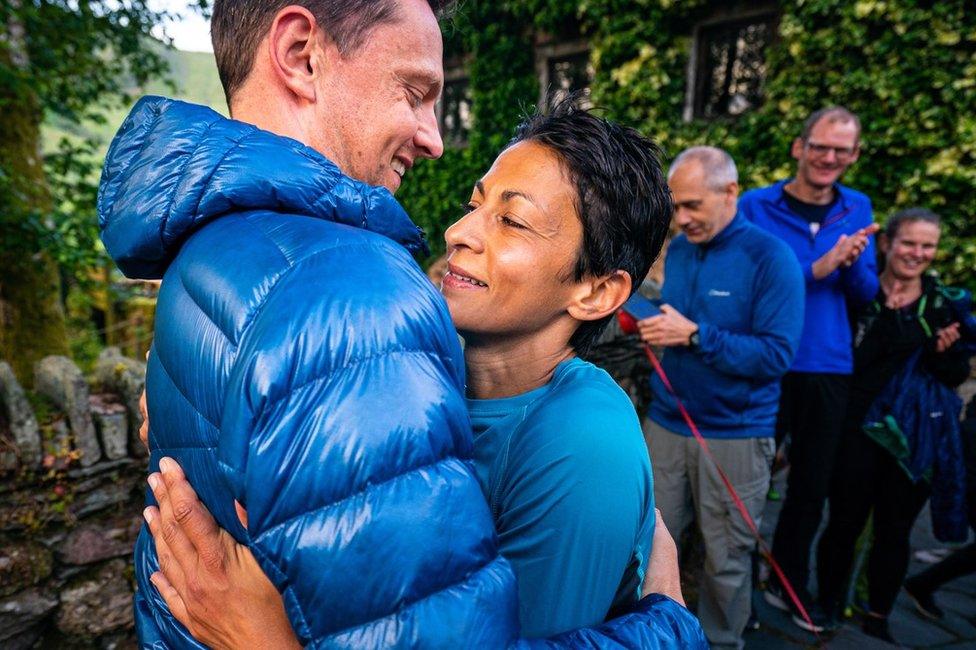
<point>945,359</point>
<point>214,587</point>
<point>211,584</point>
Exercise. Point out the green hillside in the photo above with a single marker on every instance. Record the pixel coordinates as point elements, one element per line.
<point>193,73</point>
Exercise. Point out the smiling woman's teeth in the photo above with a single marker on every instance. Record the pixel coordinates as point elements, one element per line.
<point>399,168</point>
<point>466,279</point>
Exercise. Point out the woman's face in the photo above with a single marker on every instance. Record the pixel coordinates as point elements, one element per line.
<point>911,251</point>
<point>511,257</point>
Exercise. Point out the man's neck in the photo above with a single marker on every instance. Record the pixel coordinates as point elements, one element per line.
<point>497,369</point>
<point>727,221</point>
<point>800,189</point>
<point>253,109</point>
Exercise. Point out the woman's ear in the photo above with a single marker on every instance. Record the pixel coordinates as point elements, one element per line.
<point>600,297</point>
<point>291,47</point>
<point>883,243</point>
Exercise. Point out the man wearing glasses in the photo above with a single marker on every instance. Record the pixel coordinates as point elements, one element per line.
<point>830,228</point>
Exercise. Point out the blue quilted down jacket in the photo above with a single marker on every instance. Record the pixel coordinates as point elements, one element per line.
<point>304,365</point>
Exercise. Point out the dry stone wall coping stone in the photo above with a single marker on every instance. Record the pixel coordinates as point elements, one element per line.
<point>59,379</point>
<point>20,417</point>
<point>112,424</point>
<point>127,378</point>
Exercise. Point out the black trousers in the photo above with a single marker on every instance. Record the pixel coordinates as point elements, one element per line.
<point>957,565</point>
<point>867,479</point>
<point>812,408</point>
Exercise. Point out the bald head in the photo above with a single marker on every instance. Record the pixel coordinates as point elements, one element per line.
<point>704,184</point>
<point>717,166</point>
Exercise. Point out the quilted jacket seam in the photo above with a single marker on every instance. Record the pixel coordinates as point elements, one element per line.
<point>352,495</point>
<point>358,361</point>
<point>179,390</point>
<point>484,567</point>
<point>282,576</point>
<point>287,271</point>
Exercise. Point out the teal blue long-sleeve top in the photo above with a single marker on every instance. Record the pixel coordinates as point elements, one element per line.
<point>567,475</point>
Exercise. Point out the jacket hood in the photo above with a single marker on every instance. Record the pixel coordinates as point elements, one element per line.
<point>174,166</point>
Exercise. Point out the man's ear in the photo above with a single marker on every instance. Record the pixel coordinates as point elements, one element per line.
<point>732,194</point>
<point>291,46</point>
<point>796,149</point>
<point>600,297</point>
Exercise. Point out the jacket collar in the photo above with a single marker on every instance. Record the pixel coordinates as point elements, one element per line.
<point>738,223</point>
<point>174,167</point>
<point>840,209</point>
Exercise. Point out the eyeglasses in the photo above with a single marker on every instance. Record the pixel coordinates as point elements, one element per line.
<point>842,153</point>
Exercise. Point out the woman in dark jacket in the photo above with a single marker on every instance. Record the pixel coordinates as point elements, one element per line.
<point>913,314</point>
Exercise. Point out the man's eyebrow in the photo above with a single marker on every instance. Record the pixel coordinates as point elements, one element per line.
<point>422,75</point>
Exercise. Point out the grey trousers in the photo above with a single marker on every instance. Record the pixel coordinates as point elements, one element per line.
<point>687,487</point>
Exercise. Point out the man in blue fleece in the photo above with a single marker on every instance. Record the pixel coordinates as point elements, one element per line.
<point>829,227</point>
<point>731,321</point>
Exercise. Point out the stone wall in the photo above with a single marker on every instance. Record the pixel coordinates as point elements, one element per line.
<point>72,474</point>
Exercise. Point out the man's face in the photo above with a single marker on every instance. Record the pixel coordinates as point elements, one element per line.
<point>826,154</point>
<point>700,211</point>
<point>376,104</point>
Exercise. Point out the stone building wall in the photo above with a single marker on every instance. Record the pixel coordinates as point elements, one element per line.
<point>72,475</point>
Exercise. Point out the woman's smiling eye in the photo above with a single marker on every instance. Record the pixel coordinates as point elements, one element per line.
<point>467,208</point>
<point>508,221</point>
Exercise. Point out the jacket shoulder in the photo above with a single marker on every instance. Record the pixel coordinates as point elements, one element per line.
<point>758,194</point>
<point>762,244</point>
<point>852,195</point>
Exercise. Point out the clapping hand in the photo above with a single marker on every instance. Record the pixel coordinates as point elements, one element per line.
<point>845,252</point>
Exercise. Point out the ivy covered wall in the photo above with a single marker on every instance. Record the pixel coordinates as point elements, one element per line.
<point>907,67</point>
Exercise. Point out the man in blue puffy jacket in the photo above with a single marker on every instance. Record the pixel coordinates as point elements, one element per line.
<point>829,227</point>
<point>732,313</point>
<point>302,364</point>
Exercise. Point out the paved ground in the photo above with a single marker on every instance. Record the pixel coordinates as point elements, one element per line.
<point>958,599</point>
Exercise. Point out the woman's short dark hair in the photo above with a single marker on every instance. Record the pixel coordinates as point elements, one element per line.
<point>237,26</point>
<point>622,197</point>
<point>909,215</point>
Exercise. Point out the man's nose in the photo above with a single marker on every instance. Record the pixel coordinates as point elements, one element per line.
<point>428,137</point>
<point>830,155</point>
<point>681,217</point>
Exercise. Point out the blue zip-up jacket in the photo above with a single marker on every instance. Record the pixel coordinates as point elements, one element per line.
<point>305,366</point>
<point>745,292</point>
<point>825,346</point>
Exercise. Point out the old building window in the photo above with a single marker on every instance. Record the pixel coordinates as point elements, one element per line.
<point>729,65</point>
<point>563,68</point>
<point>454,115</point>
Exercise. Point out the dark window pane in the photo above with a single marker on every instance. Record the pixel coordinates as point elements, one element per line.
<point>731,66</point>
<point>456,118</point>
<point>568,74</point>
